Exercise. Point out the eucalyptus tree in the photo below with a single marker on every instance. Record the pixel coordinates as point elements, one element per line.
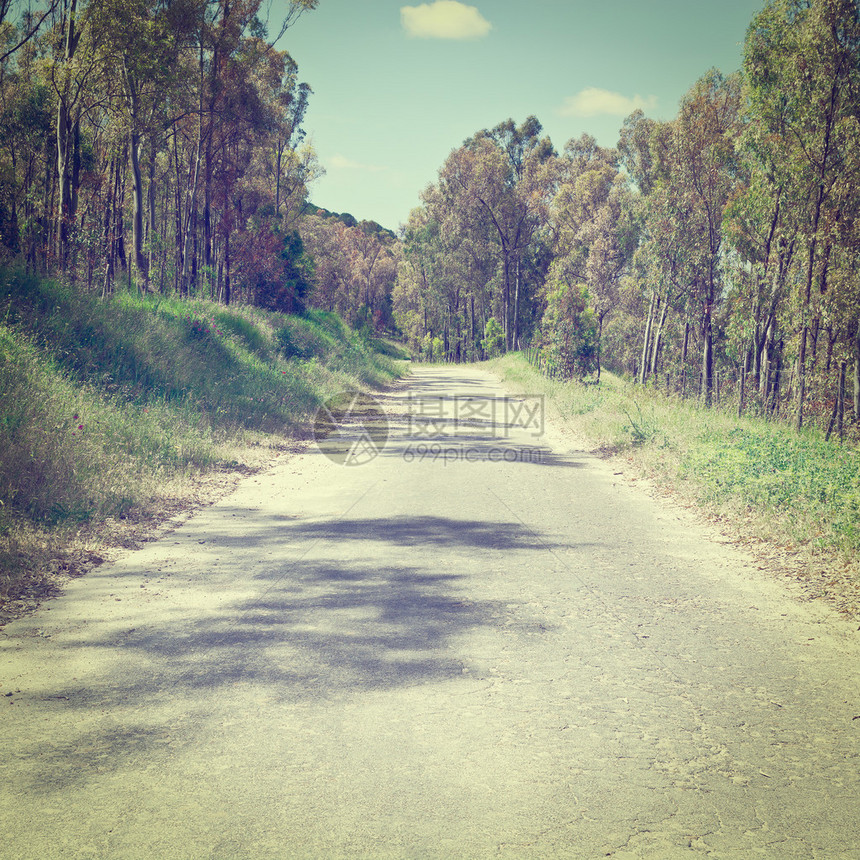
<point>326,241</point>
<point>501,179</point>
<point>763,232</point>
<point>568,326</point>
<point>467,276</point>
<point>801,65</point>
<point>69,78</point>
<point>290,165</point>
<point>434,283</point>
<point>661,239</point>
<point>414,298</point>
<point>138,45</point>
<point>591,226</point>
<point>657,253</point>
<point>27,154</point>
<point>698,176</point>
<point>636,152</point>
<point>355,267</point>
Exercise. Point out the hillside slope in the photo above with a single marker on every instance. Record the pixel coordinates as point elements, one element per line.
<point>119,411</point>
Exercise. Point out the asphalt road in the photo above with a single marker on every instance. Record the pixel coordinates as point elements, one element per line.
<point>470,642</point>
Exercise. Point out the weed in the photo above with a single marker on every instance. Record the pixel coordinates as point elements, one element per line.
<point>641,429</point>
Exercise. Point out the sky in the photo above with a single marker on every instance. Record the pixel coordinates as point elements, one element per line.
<point>397,86</point>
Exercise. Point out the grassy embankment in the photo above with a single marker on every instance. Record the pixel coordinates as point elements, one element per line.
<point>114,410</point>
<point>766,482</point>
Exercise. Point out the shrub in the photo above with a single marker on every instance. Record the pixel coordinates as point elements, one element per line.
<point>493,343</point>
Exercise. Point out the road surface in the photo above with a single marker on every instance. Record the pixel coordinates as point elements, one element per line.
<point>470,641</point>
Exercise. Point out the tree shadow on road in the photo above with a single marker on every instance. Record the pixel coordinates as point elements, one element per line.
<point>304,630</point>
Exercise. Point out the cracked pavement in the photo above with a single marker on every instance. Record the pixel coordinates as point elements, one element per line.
<point>488,646</point>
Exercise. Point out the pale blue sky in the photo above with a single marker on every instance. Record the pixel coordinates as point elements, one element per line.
<point>389,105</point>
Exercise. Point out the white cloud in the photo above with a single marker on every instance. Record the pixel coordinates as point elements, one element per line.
<point>593,101</point>
<point>444,19</point>
<point>340,162</point>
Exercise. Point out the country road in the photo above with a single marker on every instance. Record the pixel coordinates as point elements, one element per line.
<point>466,641</point>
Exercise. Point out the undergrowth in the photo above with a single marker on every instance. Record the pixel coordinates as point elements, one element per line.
<point>105,406</point>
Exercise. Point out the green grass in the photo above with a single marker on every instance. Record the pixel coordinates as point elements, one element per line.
<point>786,487</point>
<point>106,406</point>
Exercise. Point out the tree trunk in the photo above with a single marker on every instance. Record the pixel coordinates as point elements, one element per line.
<point>107,285</point>
<point>857,373</point>
<point>506,299</point>
<point>646,342</point>
<point>764,363</point>
<point>472,338</point>
<point>137,221</point>
<point>832,337</point>
<point>74,189</point>
<point>655,352</point>
<point>208,238</point>
<point>195,254</point>
<point>227,286</point>
<point>177,218</point>
<point>814,333</point>
<point>707,385</point>
<point>151,219</point>
<point>64,200</point>
<point>840,411</point>
<point>801,376</point>
<point>190,219</point>
<point>599,338</point>
<point>807,299</point>
<point>64,142</point>
<point>214,92</point>
<point>684,351</point>
<point>118,213</point>
<point>45,220</point>
<point>516,335</point>
<point>278,160</point>
<point>755,365</point>
<point>777,381</point>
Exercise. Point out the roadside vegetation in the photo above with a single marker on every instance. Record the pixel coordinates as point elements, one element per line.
<point>111,410</point>
<point>764,480</point>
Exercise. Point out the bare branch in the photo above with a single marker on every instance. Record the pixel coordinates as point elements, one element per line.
<point>4,8</point>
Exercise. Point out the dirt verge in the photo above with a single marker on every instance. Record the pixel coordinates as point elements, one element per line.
<point>53,558</point>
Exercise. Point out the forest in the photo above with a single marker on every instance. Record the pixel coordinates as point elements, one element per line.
<point>714,254</point>
<point>158,146</point>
